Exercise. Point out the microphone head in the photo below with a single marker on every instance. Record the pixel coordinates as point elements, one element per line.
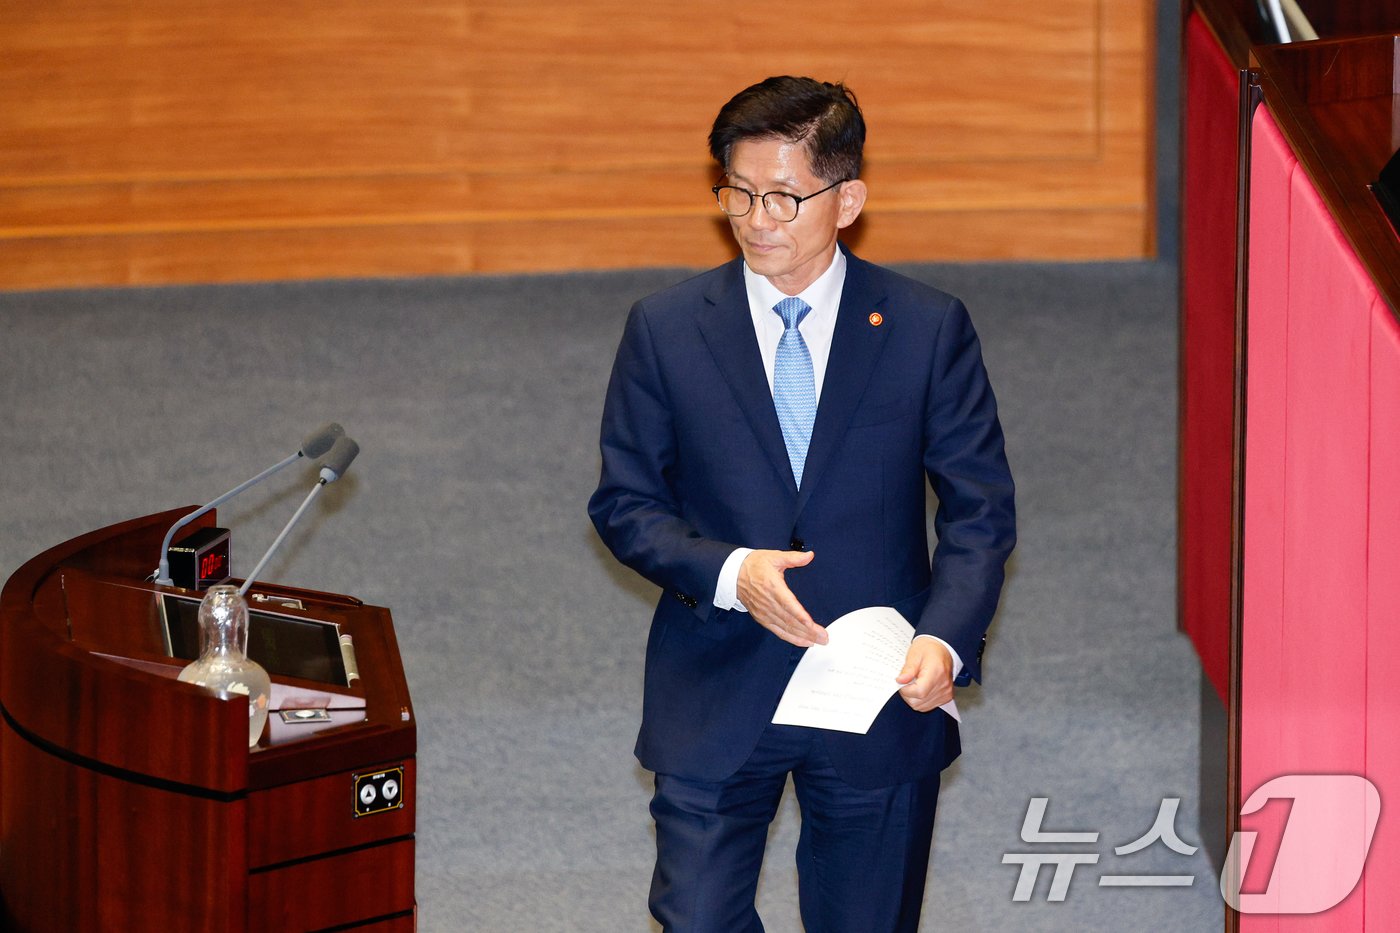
<point>315,444</point>
<point>342,453</point>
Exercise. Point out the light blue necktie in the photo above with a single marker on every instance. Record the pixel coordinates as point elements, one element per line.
<point>794,388</point>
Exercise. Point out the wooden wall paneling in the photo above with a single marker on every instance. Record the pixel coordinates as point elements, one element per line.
<point>1240,25</point>
<point>340,889</point>
<point>1330,18</point>
<point>115,819</point>
<point>38,666</point>
<point>154,142</point>
<point>326,819</point>
<point>1334,101</point>
<point>403,923</point>
<point>87,788</point>
<point>108,882</point>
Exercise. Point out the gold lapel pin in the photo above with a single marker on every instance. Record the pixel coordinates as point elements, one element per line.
<point>876,319</point>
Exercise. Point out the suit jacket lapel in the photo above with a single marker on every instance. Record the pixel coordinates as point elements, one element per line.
<point>855,347</point>
<point>727,327</point>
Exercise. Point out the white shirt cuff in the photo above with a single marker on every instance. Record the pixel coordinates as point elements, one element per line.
<point>957,661</point>
<point>727,587</point>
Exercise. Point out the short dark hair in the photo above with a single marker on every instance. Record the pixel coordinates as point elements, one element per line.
<point>822,115</point>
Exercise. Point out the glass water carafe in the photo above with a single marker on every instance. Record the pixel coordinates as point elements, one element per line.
<point>223,667</point>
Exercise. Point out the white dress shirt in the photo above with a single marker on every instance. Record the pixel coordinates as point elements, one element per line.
<point>824,298</point>
<point>817,328</point>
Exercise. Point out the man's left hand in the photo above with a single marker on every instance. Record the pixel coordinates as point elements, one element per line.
<point>927,675</point>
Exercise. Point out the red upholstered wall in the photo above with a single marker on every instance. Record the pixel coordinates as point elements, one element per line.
<point>1320,692</point>
<point>1382,639</point>
<point>1211,109</point>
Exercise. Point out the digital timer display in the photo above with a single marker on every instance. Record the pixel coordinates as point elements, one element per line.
<point>202,559</point>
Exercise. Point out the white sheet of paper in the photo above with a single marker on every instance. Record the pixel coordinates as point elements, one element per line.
<point>844,683</point>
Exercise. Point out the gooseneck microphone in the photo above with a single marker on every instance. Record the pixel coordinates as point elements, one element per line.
<point>342,453</point>
<point>313,446</point>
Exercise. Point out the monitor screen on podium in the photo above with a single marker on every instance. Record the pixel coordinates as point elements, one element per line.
<point>293,646</point>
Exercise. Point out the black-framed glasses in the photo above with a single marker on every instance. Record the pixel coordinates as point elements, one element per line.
<point>781,206</point>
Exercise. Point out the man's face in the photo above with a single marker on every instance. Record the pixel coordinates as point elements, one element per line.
<point>790,255</point>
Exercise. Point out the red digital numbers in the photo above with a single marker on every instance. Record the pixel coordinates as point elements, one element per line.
<point>211,566</point>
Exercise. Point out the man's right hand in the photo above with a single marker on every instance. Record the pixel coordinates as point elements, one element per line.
<point>765,594</point>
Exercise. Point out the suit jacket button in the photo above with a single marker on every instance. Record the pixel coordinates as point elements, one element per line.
<point>797,544</point>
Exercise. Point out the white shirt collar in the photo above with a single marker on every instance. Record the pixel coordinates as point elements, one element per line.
<point>817,328</point>
<point>823,295</point>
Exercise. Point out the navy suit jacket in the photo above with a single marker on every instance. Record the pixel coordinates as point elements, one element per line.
<point>693,466</point>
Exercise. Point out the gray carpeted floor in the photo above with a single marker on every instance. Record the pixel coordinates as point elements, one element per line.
<point>476,402</point>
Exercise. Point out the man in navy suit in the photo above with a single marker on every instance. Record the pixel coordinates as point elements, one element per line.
<point>768,432</point>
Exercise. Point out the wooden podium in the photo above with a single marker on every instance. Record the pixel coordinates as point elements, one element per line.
<point>130,801</point>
